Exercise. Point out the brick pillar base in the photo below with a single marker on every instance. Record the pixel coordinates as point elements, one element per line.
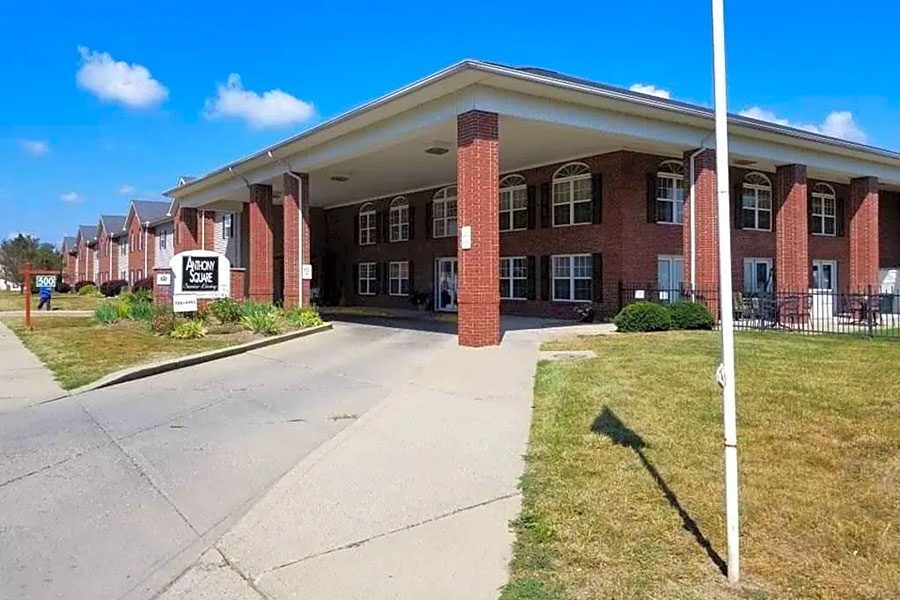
<point>705,223</point>
<point>260,263</point>
<point>238,284</point>
<point>791,230</point>
<point>162,294</point>
<point>296,194</point>
<point>478,176</point>
<point>863,234</point>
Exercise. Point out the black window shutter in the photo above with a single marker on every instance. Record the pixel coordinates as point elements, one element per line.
<point>597,272</point>
<point>356,229</point>
<point>356,278</point>
<point>737,205</point>
<point>651,198</point>
<point>385,277</point>
<point>412,273</point>
<point>809,210</point>
<point>545,205</point>
<point>384,223</point>
<point>545,277</point>
<point>532,277</point>
<point>411,215</point>
<point>840,206</point>
<point>531,192</point>
<point>429,220</point>
<point>597,198</point>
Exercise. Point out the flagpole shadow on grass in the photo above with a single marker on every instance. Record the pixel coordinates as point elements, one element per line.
<point>608,424</point>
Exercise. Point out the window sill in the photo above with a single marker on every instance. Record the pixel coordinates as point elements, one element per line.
<point>399,241</point>
<point>514,229</point>
<point>566,301</point>
<point>502,299</point>
<point>399,295</point>
<point>670,223</point>
<point>367,294</point>
<point>825,235</point>
<point>573,224</point>
<point>755,229</point>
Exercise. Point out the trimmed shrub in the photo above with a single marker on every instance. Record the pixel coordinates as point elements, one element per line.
<point>192,329</point>
<point>304,317</point>
<point>225,310</point>
<point>643,316</point>
<point>690,315</point>
<point>80,284</point>
<point>87,290</point>
<point>62,287</point>
<point>107,312</point>
<point>163,321</point>
<point>264,322</point>
<point>113,287</point>
<point>143,284</point>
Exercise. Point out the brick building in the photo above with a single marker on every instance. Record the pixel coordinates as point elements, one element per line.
<point>110,233</point>
<point>86,253</point>
<point>140,240</point>
<point>69,251</point>
<point>485,189</point>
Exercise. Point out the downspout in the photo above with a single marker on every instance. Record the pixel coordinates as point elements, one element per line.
<point>299,181</point>
<point>109,252</point>
<point>241,248</point>
<point>146,233</point>
<point>693,201</point>
<point>203,229</point>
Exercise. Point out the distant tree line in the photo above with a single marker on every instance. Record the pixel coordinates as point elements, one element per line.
<point>21,249</point>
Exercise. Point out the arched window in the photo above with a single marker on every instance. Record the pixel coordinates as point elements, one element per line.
<point>670,192</point>
<point>572,195</point>
<point>756,202</point>
<point>824,210</point>
<point>513,203</point>
<point>443,213</point>
<point>399,217</point>
<point>367,224</point>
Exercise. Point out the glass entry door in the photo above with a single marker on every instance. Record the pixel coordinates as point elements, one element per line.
<point>445,284</point>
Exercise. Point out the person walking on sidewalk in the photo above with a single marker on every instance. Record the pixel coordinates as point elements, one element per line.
<point>45,294</point>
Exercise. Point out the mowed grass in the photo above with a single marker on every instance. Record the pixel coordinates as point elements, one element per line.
<point>623,491</point>
<point>16,301</point>
<point>78,350</point>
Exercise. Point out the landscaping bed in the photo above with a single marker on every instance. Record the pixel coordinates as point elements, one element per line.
<point>623,490</point>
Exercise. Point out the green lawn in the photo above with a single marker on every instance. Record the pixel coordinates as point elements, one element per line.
<point>623,487</point>
<point>16,301</point>
<point>78,350</point>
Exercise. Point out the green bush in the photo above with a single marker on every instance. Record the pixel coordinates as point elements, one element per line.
<point>163,321</point>
<point>304,317</point>
<point>643,316</point>
<point>191,329</point>
<point>141,311</point>
<point>87,290</point>
<point>251,307</point>
<point>264,322</point>
<point>107,312</point>
<point>690,315</point>
<point>225,310</point>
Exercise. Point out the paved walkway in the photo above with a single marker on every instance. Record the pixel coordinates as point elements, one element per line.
<point>25,380</point>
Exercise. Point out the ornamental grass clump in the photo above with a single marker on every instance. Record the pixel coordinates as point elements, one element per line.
<point>265,322</point>
<point>107,312</point>
<point>191,329</point>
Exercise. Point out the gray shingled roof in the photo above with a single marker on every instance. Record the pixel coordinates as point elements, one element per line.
<point>113,224</point>
<point>150,210</point>
<point>69,242</point>
<point>88,232</point>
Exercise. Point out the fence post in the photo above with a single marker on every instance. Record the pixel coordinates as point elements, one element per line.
<point>621,296</point>
<point>869,311</point>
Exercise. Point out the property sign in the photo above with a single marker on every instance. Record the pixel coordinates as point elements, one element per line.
<point>163,279</point>
<point>44,281</point>
<point>184,303</point>
<point>306,272</point>
<point>201,273</point>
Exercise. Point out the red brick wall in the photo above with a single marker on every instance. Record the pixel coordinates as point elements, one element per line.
<point>69,272</point>
<point>791,228</point>
<point>187,229</point>
<point>863,232</point>
<point>137,250</point>
<point>261,255</point>
<point>294,190</point>
<point>238,284</point>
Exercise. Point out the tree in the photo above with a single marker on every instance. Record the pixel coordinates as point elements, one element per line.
<point>15,252</point>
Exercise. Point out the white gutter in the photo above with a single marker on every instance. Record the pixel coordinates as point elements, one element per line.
<point>300,192</point>
<point>203,230</point>
<point>146,234</point>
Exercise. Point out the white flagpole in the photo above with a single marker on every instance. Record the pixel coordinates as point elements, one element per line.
<point>725,373</point>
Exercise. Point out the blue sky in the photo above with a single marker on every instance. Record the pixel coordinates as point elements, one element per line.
<point>73,144</point>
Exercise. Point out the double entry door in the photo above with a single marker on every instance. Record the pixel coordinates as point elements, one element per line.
<point>445,282</point>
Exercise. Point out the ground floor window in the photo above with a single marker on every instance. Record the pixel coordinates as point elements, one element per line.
<point>514,278</point>
<point>399,278</point>
<point>368,279</point>
<point>824,274</point>
<point>757,275</point>
<point>572,277</point>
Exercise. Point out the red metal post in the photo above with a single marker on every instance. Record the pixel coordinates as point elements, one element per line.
<point>26,281</point>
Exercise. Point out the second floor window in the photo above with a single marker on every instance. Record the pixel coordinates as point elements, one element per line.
<point>572,195</point>
<point>756,202</point>
<point>444,213</point>
<point>399,216</point>
<point>513,203</point>
<point>670,193</point>
<point>227,226</point>
<point>824,210</point>
<point>367,224</point>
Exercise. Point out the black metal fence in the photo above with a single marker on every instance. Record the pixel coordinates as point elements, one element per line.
<point>868,312</point>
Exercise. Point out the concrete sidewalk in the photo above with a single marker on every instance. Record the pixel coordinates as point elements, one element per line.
<point>411,501</point>
<point>23,379</point>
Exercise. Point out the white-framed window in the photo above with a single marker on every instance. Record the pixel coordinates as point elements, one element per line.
<point>513,203</point>
<point>572,276</point>
<point>162,239</point>
<point>443,213</point>
<point>572,195</point>
<point>670,193</point>
<point>824,210</point>
<point>757,275</point>
<point>368,221</point>
<point>398,278</point>
<point>368,279</point>
<point>669,277</point>
<point>514,278</point>
<point>756,202</point>
<point>825,274</point>
<point>227,226</point>
<point>399,217</point>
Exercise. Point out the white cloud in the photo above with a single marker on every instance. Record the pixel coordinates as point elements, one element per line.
<point>838,123</point>
<point>127,189</point>
<point>118,81</point>
<point>35,147</point>
<point>71,197</point>
<point>652,90</point>
<point>274,108</point>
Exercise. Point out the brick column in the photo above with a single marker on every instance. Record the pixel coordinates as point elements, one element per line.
<point>478,177</point>
<point>863,213</point>
<point>792,266</point>
<point>207,230</point>
<point>705,224</point>
<point>296,194</point>
<point>260,265</point>
<point>187,234</point>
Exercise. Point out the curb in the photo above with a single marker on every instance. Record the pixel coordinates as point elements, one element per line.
<point>142,371</point>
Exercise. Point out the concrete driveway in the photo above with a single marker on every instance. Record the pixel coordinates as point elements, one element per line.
<point>114,493</point>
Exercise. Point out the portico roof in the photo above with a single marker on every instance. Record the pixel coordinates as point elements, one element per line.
<point>543,114</point>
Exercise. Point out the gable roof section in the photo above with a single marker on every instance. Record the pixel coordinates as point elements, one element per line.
<point>147,211</point>
<point>87,234</point>
<point>114,225</point>
<point>69,244</point>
